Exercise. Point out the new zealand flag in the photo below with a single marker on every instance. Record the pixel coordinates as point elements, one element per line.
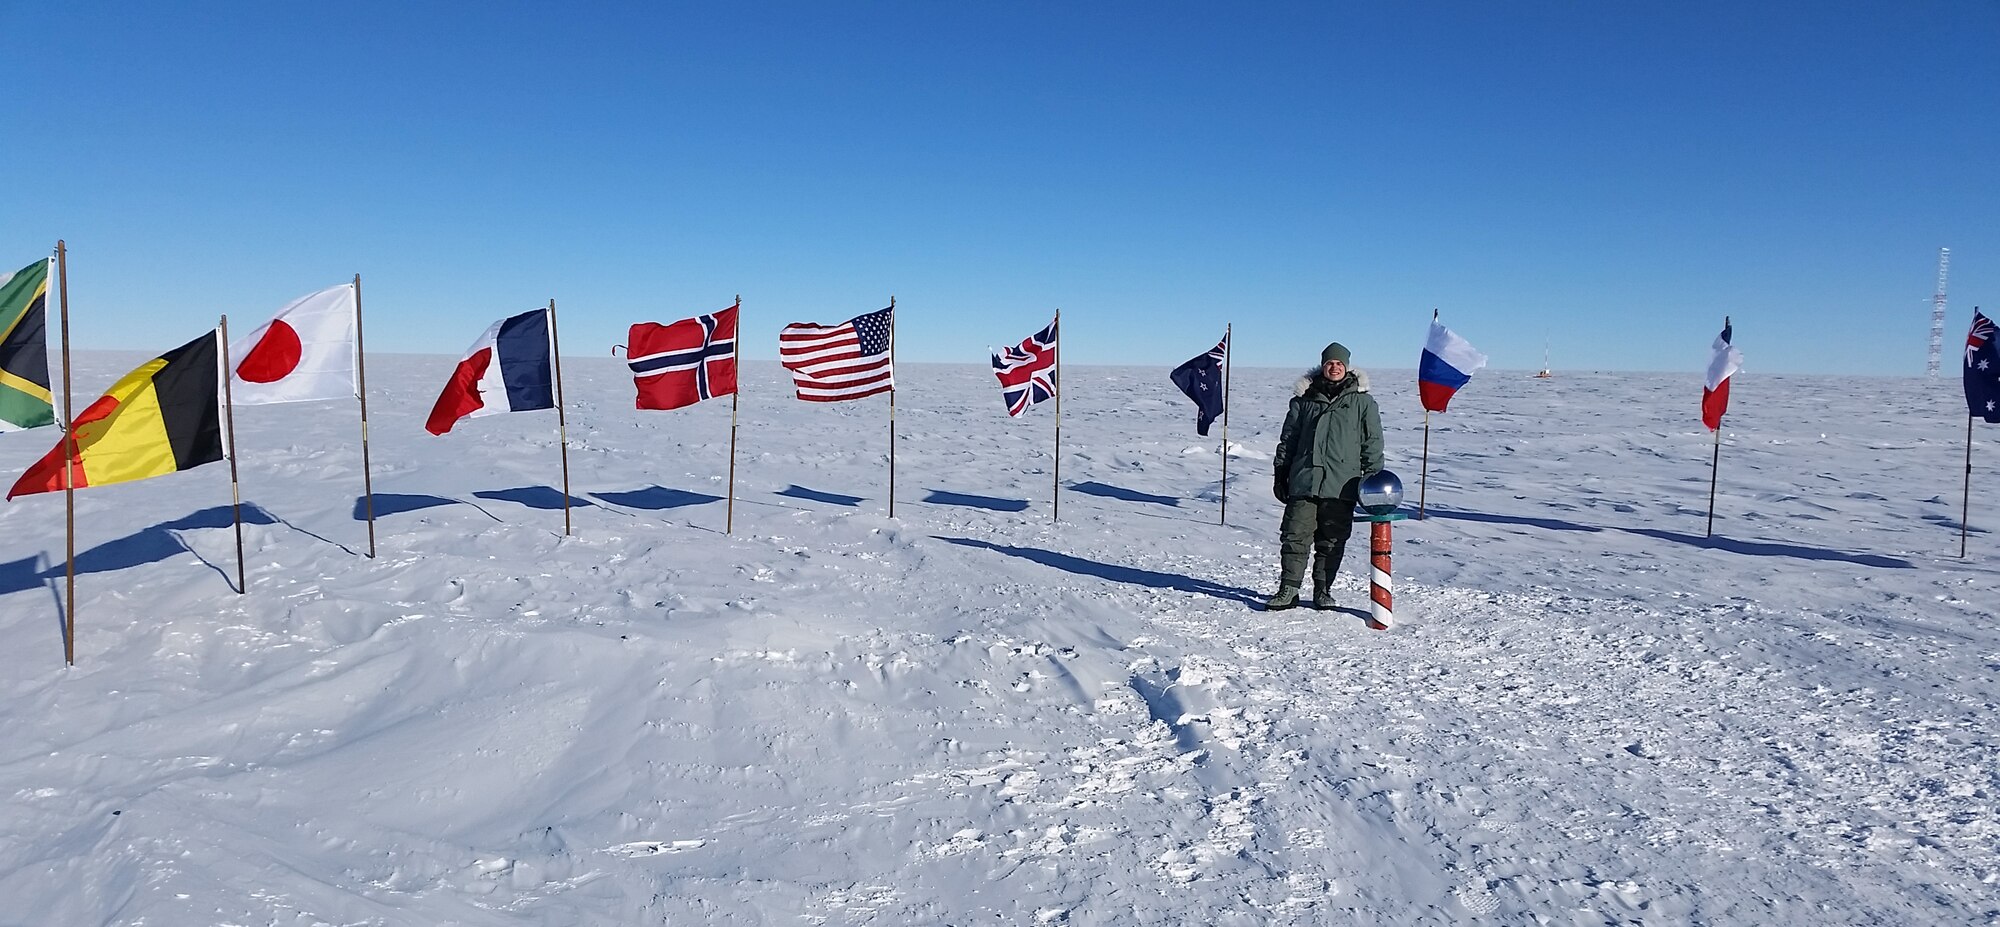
<point>1982,370</point>
<point>1201,380</point>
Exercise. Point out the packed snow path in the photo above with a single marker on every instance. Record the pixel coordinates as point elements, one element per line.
<point>967,714</point>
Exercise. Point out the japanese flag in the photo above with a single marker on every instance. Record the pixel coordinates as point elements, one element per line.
<point>306,352</point>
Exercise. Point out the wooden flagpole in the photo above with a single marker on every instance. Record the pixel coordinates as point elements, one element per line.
<point>69,458</point>
<point>735,356</point>
<point>1055,512</point>
<point>229,420</point>
<point>361,372</point>
<point>562,423</point>
<point>892,406</point>
<point>1965,501</point>
<point>1424,473</point>
<point>1228,354</point>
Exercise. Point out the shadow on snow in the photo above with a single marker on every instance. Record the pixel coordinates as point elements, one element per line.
<point>945,497</point>
<point>1732,545</point>
<point>657,498</point>
<point>796,491</point>
<point>534,497</point>
<point>1108,491</point>
<point>148,545</point>
<point>1115,573</point>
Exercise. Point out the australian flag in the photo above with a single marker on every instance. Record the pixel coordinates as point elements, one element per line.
<point>1982,370</point>
<point>1027,371</point>
<point>1201,380</point>
<point>683,363</point>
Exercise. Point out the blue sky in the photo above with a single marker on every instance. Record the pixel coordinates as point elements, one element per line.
<point>1611,177</point>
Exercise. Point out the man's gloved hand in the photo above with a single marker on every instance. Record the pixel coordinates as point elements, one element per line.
<point>1278,488</point>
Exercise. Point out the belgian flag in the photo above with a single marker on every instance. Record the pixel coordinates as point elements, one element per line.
<point>24,349</point>
<point>162,418</point>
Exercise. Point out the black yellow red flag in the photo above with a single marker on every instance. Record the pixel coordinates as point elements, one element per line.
<point>162,418</point>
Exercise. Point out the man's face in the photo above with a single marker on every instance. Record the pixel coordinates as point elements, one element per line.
<point>1334,370</point>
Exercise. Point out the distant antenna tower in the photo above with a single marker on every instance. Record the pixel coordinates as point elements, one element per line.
<point>1937,311</point>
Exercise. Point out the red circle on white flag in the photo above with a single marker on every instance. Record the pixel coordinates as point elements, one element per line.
<point>274,357</point>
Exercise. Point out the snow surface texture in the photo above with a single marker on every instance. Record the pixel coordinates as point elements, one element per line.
<point>1586,714</point>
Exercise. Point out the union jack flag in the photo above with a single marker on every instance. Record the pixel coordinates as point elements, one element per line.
<point>1027,372</point>
<point>683,363</point>
<point>1982,369</point>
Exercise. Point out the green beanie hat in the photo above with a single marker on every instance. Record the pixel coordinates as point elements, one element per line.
<point>1335,352</point>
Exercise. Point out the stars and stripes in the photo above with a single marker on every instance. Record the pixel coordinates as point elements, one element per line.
<point>683,363</point>
<point>1027,371</point>
<point>830,363</point>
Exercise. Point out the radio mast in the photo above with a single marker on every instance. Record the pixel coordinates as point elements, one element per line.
<point>1937,311</point>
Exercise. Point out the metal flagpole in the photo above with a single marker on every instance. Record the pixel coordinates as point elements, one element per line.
<point>1965,502</point>
<point>1228,353</point>
<point>735,355</point>
<point>229,418</point>
<point>1424,474</point>
<point>69,457</point>
<point>892,406</point>
<point>1055,513</point>
<point>1424,470</point>
<point>361,371</point>
<point>1713,463</point>
<point>562,423</point>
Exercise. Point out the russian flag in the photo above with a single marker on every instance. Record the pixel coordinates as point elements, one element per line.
<point>1447,364</point>
<point>507,370</point>
<point>1722,365</point>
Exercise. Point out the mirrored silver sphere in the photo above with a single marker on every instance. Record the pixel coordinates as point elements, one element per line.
<point>1381,493</point>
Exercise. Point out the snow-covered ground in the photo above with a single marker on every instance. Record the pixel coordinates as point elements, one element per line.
<point>971,714</point>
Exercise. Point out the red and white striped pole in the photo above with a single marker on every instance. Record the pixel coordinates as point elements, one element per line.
<point>1381,492</point>
<point>1381,587</point>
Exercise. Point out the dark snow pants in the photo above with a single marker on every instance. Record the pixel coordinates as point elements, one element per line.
<point>1319,526</point>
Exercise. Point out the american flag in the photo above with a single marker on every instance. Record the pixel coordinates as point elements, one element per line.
<point>1982,370</point>
<point>1027,372</point>
<point>830,363</point>
<point>683,363</point>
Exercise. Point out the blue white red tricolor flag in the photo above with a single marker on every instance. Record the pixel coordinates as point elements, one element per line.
<point>830,363</point>
<point>506,370</point>
<point>1027,371</point>
<point>683,363</point>
<point>1982,369</point>
<point>1721,366</point>
<point>1201,379</point>
<point>1447,364</point>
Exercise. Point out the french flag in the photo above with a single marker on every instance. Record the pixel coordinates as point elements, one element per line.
<point>1447,364</point>
<point>507,370</point>
<point>1722,365</point>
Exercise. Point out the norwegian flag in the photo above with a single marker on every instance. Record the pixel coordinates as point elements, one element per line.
<point>1027,372</point>
<point>683,363</point>
<point>1982,370</point>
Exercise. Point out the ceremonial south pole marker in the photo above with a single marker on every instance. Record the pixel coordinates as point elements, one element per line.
<point>1381,587</point>
<point>1379,496</point>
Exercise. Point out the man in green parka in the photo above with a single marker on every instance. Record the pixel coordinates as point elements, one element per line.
<point>1332,439</point>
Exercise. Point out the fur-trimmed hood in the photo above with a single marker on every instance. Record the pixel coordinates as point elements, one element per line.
<point>1305,382</point>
